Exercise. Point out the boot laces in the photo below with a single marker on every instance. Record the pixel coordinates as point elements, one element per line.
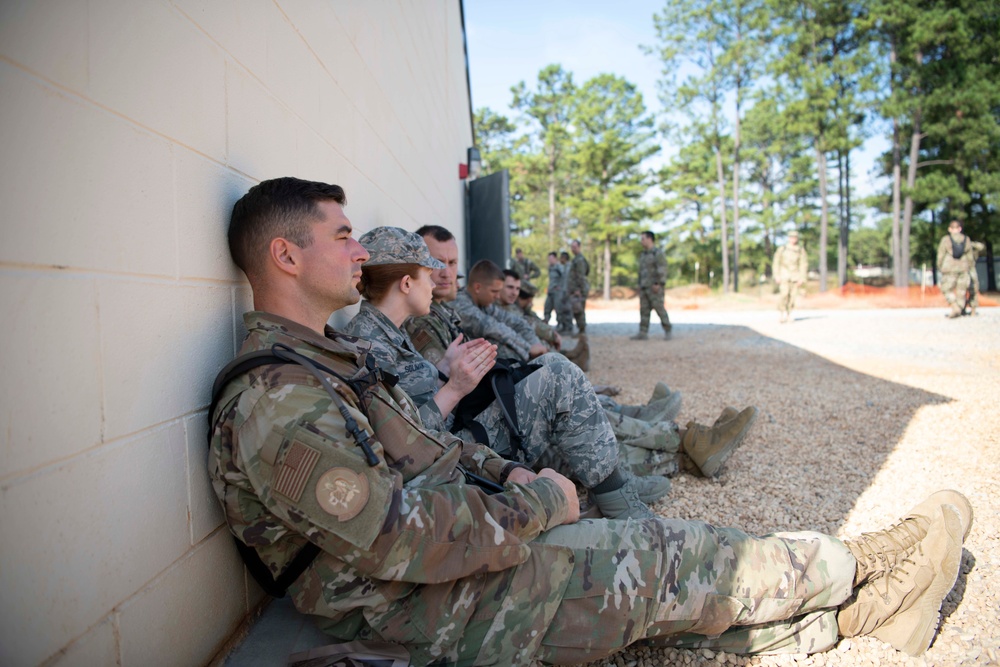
<point>887,546</point>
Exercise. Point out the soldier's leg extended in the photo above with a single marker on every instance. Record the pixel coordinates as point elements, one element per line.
<point>558,410</point>
<point>686,581</point>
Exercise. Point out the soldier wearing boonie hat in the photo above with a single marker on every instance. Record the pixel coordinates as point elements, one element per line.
<point>395,245</point>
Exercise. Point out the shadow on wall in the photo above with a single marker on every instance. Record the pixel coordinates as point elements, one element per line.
<point>823,433</point>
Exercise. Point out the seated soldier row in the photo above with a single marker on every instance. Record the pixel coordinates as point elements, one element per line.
<point>325,450</point>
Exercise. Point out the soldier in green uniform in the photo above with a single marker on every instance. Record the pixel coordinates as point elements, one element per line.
<point>578,286</point>
<point>954,261</point>
<point>652,278</point>
<point>524,267</point>
<point>409,552</point>
<point>790,265</point>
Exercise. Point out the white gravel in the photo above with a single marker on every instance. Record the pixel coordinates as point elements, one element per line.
<point>863,414</point>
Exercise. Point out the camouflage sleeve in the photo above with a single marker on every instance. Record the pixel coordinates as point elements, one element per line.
<point>426,338</point>
<point>660,269</point>
<point>478,324</point>
<point>431,416</point>
<point>944,247</point>
<point>533,270</point>
<point>515,322</point>
<point>803,268</point>
<point>307,471</point>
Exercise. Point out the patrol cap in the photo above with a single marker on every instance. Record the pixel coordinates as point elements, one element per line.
<point>528,290</point>
<point>794,233</point>
<point>394,245</point>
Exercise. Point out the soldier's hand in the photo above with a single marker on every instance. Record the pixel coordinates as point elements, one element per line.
<point>475,359</point>
<point>569,489</point>
<point>521,476</point>
<point>451,355</point>
<point>537,350</point>
<point>556,340</point>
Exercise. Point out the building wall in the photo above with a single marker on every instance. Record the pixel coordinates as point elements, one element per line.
<point>128,128</point>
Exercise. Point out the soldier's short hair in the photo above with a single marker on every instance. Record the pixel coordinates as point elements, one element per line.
<point>511,273</point>
<point>277,208</point>
<point>650,235</point>
<point>564,255</point>
<point>554,254</point>
<point>484,271</point>
<point>436,232</point>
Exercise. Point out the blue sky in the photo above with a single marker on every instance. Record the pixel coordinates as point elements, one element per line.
<point>511,40</point>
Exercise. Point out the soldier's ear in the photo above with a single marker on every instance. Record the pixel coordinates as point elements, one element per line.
<point>405,284</point>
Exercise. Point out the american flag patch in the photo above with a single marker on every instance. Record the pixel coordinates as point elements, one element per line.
<point>291,476</point>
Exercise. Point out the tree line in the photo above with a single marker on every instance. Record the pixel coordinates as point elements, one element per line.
<point>764,103</point>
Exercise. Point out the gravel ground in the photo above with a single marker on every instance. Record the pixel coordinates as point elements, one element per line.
<point>863,414</point>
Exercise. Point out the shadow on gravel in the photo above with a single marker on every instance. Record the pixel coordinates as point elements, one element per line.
<point>823,434</point>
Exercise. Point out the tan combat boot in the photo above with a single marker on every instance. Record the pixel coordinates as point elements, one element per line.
<point>900,606</point>
<point>708,448</point>
<point>878,552</point>
<point>581,353</point>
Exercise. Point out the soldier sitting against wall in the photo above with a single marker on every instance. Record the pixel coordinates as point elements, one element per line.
<point>651,442</point>
<point>325,453</point>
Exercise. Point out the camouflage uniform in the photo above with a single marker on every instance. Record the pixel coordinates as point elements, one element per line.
<point>652,273</point>
<point>790,266</point>
<point>576,281</point>
<point>556,408</point>
<point>977,248</point>
<point>647,447</point>
<point>413,555</point>
<point>525,268</point>
<point>555,294</point>
<point>545,333</point>
<point>510,333</point>
<point>955,270</point>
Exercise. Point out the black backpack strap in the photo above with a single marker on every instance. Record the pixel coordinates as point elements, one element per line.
<point>280,355</point>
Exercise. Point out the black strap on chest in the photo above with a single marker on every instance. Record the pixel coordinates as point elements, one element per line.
<point>499,385</point>
<point>958,248</point>
<point>280,355</point>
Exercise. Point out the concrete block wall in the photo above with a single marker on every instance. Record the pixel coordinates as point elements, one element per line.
<point>127,130</point>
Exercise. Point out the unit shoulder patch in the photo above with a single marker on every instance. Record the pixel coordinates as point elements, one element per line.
<point>342,493</point>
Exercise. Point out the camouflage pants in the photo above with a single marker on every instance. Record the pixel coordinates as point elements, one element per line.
<point>578,305</point>
<point>974,288</point>
<point>551,305</point>
<point>650,301</point>
<point>648,448</point>
<point>681,583</point>
<point>562,421</point>
<point>787,291</point>
<point>953,286</point>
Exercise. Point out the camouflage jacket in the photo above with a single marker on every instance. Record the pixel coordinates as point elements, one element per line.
<point>410,552</point>
<point>946,261</point>
<point>432,334</point>
<point>396,354</point>
<point>495,325</point>
<point>557,279</point>
<point>527,269</point>
<point>790,263</point>
<point>544,332</point>
<point>576,280</point>
<point>652,268</point>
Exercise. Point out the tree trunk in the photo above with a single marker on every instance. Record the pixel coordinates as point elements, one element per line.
<point>841,217</point>
<point>824,212</point>
<point>846,238</point>
<point>607,268</point>
<point>722,213</point>
<point>736,198</point>
<point>897,178</point>
<point>911,179</point>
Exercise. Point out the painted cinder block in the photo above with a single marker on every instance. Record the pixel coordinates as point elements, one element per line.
<point>261,131</point>
<point>162,344</point>
<point>206,192</point>
<point>183,617</point>
<point>51,388</point>
<point>149,63</point>
<point>81,537</point>
<point>293,74</point>
<point>81,187</point>
<point>47,41</point>
<point>97,648</point>
<point>239,27</point>
<point>204,509</point>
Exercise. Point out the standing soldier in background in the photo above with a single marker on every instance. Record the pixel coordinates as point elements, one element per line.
<point>652,278</point>
<point>790,265</point>
<point>524,267</point>
<point>564,311</point>
<point>954,261</point>
<point>554,291</point>
<point>577,286</point>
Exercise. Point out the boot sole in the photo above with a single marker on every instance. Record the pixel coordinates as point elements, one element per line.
<point>714,464</point>
<point>921,620</point>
